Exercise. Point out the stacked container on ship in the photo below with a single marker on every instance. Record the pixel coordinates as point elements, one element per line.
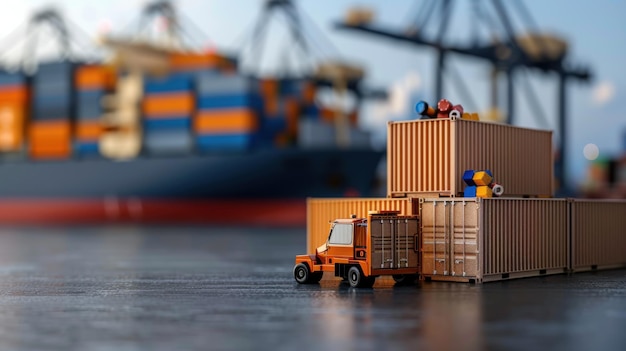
<point>14,108</point>
<point>53,111</point>
<point>93,82</point>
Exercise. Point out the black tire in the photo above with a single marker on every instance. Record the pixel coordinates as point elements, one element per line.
<point>358,280</point>
<point>404,279</point>
<point>302,274</point>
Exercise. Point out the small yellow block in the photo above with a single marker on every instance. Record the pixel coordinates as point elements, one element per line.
<point>483,191</point>
<point>482,178</point>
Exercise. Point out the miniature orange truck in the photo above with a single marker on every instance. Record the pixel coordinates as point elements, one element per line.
<point>361,249</point>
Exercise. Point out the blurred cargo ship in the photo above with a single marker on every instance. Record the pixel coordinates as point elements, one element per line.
<point>166,134</point>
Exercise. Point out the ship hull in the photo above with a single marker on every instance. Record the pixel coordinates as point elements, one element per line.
<point>194,188</point>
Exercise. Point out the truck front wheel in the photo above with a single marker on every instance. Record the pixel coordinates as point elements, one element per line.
<point>303,275</point>
<point>358,280</point>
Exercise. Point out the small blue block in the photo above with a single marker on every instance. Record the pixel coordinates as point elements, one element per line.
<point>468,177</point>
<point>470,191</point>
<point>421,107</point>
<point>489,172</point>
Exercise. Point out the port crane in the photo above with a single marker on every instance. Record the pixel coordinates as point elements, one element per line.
<point>507,52</point>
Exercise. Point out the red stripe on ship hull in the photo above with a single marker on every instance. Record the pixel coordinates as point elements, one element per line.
<point>113,210</point>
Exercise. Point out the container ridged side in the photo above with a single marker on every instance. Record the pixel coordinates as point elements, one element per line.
<point>321,211</point>
<point>427,158</point>
<point>469,239</point>
<point>598,234</point>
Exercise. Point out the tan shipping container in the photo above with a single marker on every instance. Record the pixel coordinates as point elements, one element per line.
<point>598,234</point>
<point>427,158</point>
<point>320,212</point>
<point>480,240</point>
<point>394,243</point>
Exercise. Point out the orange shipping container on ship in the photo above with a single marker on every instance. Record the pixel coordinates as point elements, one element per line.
<point>191,61</point>
<point>226,121</point>
<point>95,77</point>
<point>308,93</point>
<point>50,151</point>
<point>292,113</point>
<point>89,130</point>
<point>271,98</point>
<point>167,105</point>
<point>44,131</point>
<point>327,114</point>
<point>269,88</point>
<point>12,120</point>
<point>50,139</point>
<point>14,93</point>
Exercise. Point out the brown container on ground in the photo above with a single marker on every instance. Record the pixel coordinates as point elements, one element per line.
<point>481,240</point>
<point>320,212</point>
<point>598,234</point>
<point>427,158</point>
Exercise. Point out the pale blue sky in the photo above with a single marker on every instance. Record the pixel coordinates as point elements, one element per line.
<point>596,30</point>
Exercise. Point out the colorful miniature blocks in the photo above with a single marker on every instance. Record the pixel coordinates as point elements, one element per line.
<point>470,191</point>
<point>468,177</point>
<point>483,178</point>
<point>483,191</point>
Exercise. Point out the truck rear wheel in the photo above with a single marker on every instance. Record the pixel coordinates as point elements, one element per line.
<point>303,275</point>
<point>358,280</point>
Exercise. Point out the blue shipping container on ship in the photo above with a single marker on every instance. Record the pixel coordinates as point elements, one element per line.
<point>208,84</point>
<point>86,149</point>
<point>168,141</point>
<point>8,78</point>
<point>52,85</point>
<point>223,101</point>
<point>270,126</point>
<point>230,142</point>
<point>183,122</point>
<point>311,112</point>
<point>168,84</point>
<point>51,106</point>
<point>290,87</point>
<point>89,104</point>
<point>64,68</point>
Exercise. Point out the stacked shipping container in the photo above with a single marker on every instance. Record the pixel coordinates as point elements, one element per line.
<point>473,239</point>
<point>168,107</point>
<point>428,157</point>
<point>52,115</point>
<point>14,102</point>
<point>92,82</point>
<point>227,117</point>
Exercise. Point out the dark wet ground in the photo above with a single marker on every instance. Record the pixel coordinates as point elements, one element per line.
<point>138,288</point>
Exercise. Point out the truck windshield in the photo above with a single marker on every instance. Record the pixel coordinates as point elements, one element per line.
<point>341,234</point>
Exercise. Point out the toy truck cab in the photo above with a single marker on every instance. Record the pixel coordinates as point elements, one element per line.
<point>359,250</point>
